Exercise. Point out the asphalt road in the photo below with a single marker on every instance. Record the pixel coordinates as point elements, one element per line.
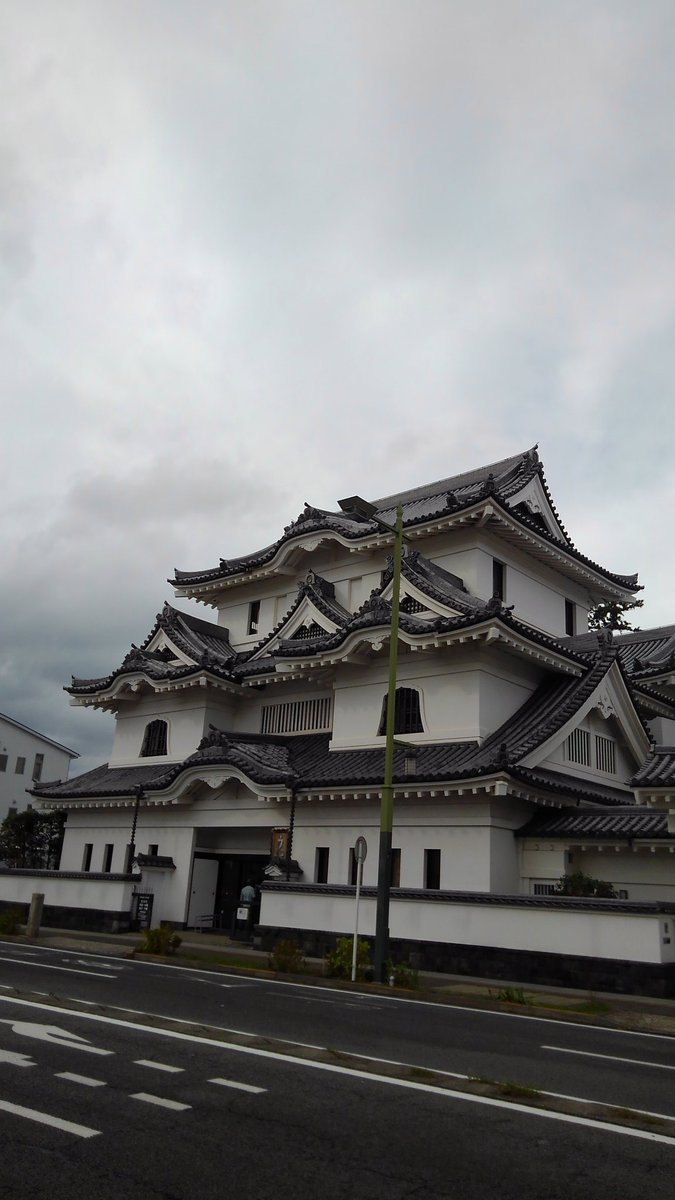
<point>146,1117</point>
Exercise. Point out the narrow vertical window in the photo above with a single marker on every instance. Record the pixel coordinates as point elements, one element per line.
<point>20,766</point>
<point>107,857</point>
<point>432,869</point>
<point>153,849</point>
<point>3,762</point>
<point>154,739</point>
<point>498,579</point>
<point>395,880</point>
<point>321,864</point>
<point>570,618</point>
<point>86,857</point>
<point>353,867</point>
<point>253,616</point>
<point>37,767</point>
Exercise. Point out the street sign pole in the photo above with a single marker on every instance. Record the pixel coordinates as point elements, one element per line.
<point>360,851</point>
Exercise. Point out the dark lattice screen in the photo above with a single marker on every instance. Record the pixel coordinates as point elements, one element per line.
<point>306,632</point>
<point>407,715</point>
<point>154,740</point>
<point>410,605</point>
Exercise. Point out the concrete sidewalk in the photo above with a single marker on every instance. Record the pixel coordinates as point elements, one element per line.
<point>222,953</point>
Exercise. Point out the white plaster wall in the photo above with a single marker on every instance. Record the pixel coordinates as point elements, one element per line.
<point>591,934</point>
<point>478,849</point>
<point>537,592</point>
<point>113,896</point>
<point>663,731</point>
<point>20,743</point>
<point>465,694</point>
<point>187,714</point>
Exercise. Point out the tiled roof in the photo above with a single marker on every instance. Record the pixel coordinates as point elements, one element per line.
<point>375,613</point>
<point>570,786</point>
<point>262,759</point>
<point>617,825</point>
<point>109,781</point>
<point>322,595</point>
<point>203,641</point>
<point>547,710</point>
<point>658,771</point>
<point>436,583</point>
<point>497,481</point>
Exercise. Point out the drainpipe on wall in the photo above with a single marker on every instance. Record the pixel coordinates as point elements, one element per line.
<point>291,827</point>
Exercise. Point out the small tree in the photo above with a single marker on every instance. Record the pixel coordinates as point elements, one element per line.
<point>578,884</point>
<point>610,614</point>
<point>32,839</point>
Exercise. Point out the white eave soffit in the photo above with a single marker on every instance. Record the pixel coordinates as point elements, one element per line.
<point>536,501</point>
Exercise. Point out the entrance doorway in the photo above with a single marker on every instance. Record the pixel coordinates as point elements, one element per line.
<point>235,871</point>
<point>217,880</point>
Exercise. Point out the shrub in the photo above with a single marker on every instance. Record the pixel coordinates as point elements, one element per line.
<point>287,957</point>
<point>160,941</point>
<point>578,884</point>
<point>339,960</point>
<point>10,919</point>
<point>403,974</point>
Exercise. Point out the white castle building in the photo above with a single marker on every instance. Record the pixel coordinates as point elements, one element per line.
<point>253,741</point>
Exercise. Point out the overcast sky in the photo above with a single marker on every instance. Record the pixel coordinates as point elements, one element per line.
<point>257,252</point>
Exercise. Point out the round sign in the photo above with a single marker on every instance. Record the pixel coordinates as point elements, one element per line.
<point>360,849</point>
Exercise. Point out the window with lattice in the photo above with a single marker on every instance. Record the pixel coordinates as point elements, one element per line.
<point>154,739</point>
<point>305,633</point>
<point>407,712</point>
<point>579,747</point>
<point>410,605</point>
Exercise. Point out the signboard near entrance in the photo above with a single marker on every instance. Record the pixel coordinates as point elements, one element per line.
<point>141,910</point>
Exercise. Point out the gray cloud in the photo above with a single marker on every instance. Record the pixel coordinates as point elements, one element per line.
<point>256,254</point>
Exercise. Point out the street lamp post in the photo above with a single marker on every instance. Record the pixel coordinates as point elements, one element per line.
<point>131,852</point>
<point>363,508</point>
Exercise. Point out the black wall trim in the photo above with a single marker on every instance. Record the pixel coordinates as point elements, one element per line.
<point>490,899</point>
<point>495,962</point>
<point>56,916</point>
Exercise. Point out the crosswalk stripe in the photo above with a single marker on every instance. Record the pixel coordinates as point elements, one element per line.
<point>242,1087</point>
<point>160,1101</point>
<point>86,1080</point>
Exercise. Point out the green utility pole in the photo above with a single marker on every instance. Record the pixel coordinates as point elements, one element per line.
<point>387,802</point>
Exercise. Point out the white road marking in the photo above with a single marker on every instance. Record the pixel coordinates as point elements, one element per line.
<point>31,1114</point>
<point>241,1087</point>
<point>87,962</point>
<point>52,1033</point>
<point>86,1080</point>
<point>636,1062</point>
<point>160,1101</point>
<point>15,1059</point>
<point>26,962</point>
<point>308,1064</point>
<point>157,1066</point>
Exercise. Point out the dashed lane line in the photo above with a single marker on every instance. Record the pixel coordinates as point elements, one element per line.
<point>85,1080</point>
<point>27,962</point>
<point>157,1066</point>
<point>241,1087</point>
<point>160,1101</point>
<point>42,1118</point>
<point>635,1062</point>
<point>516,1109</point>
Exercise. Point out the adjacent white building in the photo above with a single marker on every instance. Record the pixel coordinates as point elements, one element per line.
<point>256,737</point>
<point>26,758</point>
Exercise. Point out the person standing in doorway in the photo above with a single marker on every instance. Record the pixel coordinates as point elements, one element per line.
<point>247,899</point>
